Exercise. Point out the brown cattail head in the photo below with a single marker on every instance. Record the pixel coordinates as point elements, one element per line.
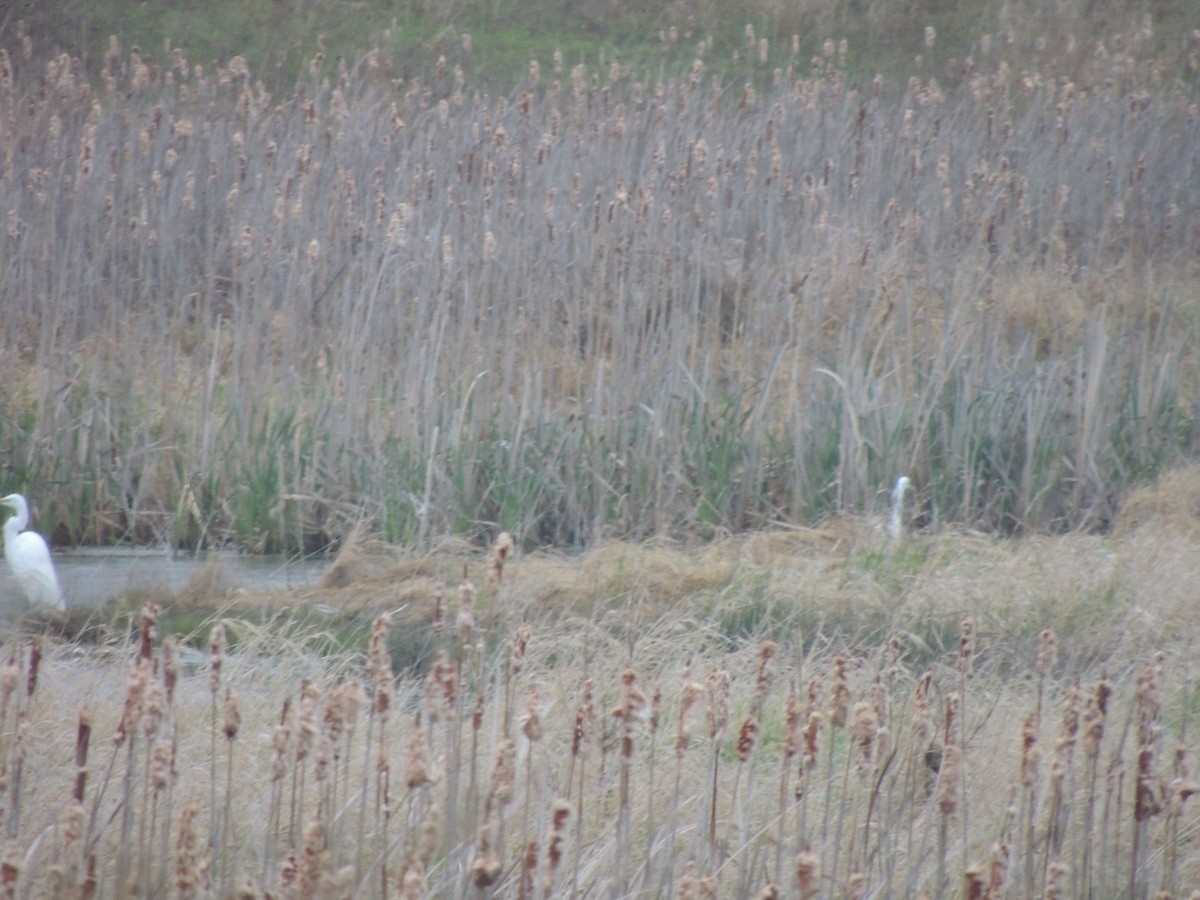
<point>500,551</point>
<point>1029,751</point>
<point>747,738</point>
<point>717,688</point>
<point>966,645</point>
<point>863,729</point>
<point>948,780</point>
<point>1094,710</point>
<point>439,610</point>
<point>83,734</point>
<point>1047,652</point>
<point>503,773</point>
<point>189,876</point>
<point>379,664</point>
<point>808,874</point>
<point>839,698</point>
<point>531,721</point>
<point>464,623</point>
<point>134,693</point>
<point>233,714</point>
<point>149,618</point>
<point>560,812</point>
<point>486,867</point>
<point>1056,880</point>
<point>974,883</point>
<point>633,702</point>
<point>585,716</point>
<point>170,655</point>
<point>762,681</point>
<point>692,692</point>
<point>217,645</point>
<point>416,768</point>
<point>812,736</point>
<point>794,710</point>
<point>9,679</point>
<point>520,646</point>
<point>1148,800</point>
<point>1149,703</point>
<point>35,660</point>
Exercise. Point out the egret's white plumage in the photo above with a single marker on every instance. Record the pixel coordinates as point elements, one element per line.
<point>896,521</point>
<point>29,557</point>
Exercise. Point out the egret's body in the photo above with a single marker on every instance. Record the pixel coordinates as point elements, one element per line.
<point>29,557</point>
<point>896,522</point>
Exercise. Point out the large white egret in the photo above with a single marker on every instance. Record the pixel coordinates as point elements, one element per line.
<point>896,521</point>
<point>29,557</point>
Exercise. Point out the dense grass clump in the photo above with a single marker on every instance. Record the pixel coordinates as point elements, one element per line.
<point>627,747</point>
<point>597,306</point>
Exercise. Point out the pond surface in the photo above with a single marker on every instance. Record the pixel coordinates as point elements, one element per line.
<point>93,576</point>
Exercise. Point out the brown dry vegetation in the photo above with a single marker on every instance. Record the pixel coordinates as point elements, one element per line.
<point>599,306</point>
<point>790,714</point>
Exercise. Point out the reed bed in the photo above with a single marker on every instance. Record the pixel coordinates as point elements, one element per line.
<point>601,305</point>
<point>630,753</point>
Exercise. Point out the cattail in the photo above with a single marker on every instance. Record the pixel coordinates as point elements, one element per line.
<point>233,714</point>
<point>948,780</point>
<point>762,681</point>
<point>692,692</point>
<point>500,550</point>
<point>1056,880</point>
<point>812,735</point>
<point>316,862</point>
<point>531,721</point>
<point>746,738</point>
<point>379,665</point>
<point>416,768</point>
<point>189,874</point>
<point>863,729</point>
<point>633,701</point>
<point>974,883</point>
<point>217,645</point>
<point>439,609</point>
<point>134,693</point>
<point>153,706</point>
<point>503,773</point>
<point>162,762</point>
<point>83,736</point>
<point>717,713</point>
<point>306,724</point>
<point>966,645</point>
<point>35,659</point>
<point>793,711</point>
<point>1047,652</point>
<point>10,868</point>
<point>464,624</point>
<point>520,645</point>
<point>170,655</point>
<point>1149,704</point>
<point>808,874</point>
<point>281,739</point>
<point>9,679</point>
<point>584,717</point>
<point>486,867</point>
<point>1029,751</point>
<point>559,814</point>
<point>839,697</point>
<point>1094,710</point>
<point>998,868</point>
<point>529,864</point>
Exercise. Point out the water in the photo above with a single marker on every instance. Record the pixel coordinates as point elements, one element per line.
<point>91,577</point>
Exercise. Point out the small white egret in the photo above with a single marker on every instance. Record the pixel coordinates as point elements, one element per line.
<point>29,557</point>
<point>896,521</point>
